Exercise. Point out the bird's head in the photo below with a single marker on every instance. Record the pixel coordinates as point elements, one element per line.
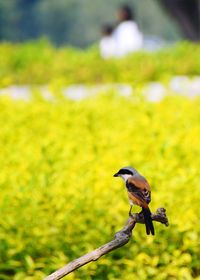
<point>125,173</point>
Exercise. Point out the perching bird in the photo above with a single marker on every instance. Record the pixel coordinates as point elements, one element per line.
<point>139,193</point>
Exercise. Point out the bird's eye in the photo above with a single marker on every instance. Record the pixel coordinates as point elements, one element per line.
<point>126,171</point>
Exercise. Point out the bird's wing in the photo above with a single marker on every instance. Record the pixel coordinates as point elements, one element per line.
<point>136,199</point>
<point>140,182</point>
<point>140,189</point>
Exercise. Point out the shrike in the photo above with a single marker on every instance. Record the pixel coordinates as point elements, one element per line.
<point>139,193</point>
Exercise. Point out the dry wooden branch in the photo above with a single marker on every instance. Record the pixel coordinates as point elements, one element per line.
<point>121,238</point>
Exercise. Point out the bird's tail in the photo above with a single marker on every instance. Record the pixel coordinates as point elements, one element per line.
<point>148,221</point>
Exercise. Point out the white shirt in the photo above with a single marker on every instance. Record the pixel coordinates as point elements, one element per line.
<point>108,47</point>
<point>128,38</point>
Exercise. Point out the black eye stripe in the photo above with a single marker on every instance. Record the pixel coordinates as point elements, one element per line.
<point>125,171</point>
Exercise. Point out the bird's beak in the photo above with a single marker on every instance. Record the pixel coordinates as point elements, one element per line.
<point>116,175</point>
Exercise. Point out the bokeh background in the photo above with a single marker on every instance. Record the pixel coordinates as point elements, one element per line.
<point>77,22</point>
<point>69,120</point>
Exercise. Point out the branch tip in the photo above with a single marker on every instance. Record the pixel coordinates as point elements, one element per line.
<point>120,239</point>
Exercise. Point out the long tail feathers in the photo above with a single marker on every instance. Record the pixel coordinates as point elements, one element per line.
<point>148,221</point>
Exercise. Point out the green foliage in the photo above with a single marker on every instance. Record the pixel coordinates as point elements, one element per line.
<point>40,63</point>
<point>59,200</point>
<point>76,22</point>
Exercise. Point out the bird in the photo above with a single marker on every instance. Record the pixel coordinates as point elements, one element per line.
<point>139,193</point>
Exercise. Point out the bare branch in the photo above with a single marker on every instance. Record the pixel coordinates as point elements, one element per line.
<point>121,238</point>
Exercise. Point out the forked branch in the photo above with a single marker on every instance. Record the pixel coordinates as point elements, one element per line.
<point>121,238</point>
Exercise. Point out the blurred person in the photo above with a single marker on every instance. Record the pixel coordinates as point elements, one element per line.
<point>127,35</point>
<point>107,43</point>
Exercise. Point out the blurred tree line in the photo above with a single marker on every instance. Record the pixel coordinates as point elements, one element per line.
<point>187,14</point>
<point>77,22</point>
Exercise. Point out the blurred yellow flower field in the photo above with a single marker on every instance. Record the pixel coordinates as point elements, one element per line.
<point>59,200</point>
<point>40,63</point>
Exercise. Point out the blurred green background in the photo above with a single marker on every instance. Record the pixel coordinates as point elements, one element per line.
<point>58,198</point>
<point>77,22</point>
